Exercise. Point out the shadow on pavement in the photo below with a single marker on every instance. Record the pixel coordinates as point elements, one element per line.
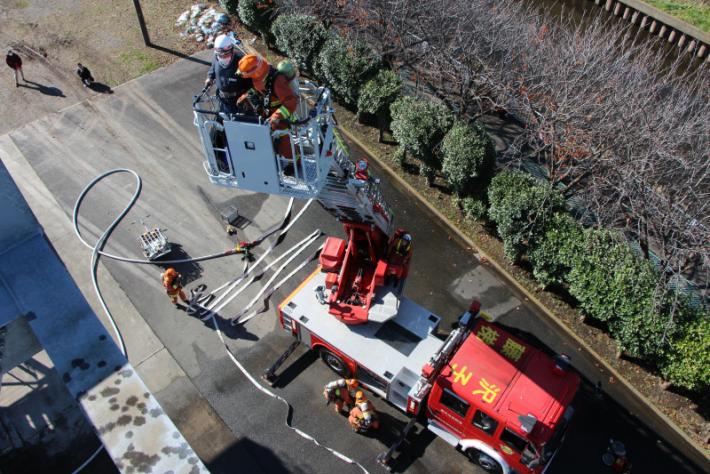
<point>232,332</point>
<point>248,456</point>
<point>412,448</point>
<point>100,88</point>
<point>295,369</point>
<point>46,90</point>
<point>190,271</point>
<point>177,53</point>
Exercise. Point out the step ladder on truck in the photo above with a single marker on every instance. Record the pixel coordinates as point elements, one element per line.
<point>502,402</point>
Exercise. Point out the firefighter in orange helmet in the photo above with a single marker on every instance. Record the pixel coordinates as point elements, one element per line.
<point>363,416</point>
<point>171,283</point>
<point>279,99</point>
<point>341,392</point>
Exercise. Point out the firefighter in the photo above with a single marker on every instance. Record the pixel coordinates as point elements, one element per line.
<point>223,72</point>
<point>403,245</point>
<point>171,283</point>
<point>363,416</point>
<point>341,392</point>
<point>278,97</point>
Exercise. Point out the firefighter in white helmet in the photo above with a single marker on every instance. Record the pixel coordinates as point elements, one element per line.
<point>341,392</point>
<point>363,416</point>
<point>223,73</point>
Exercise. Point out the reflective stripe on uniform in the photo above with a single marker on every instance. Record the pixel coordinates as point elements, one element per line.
<point>286,114</point>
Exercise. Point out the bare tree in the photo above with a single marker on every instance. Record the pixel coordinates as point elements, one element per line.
<point>611,118</point>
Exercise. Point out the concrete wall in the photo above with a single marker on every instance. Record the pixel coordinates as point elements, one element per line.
<point>685,36</point>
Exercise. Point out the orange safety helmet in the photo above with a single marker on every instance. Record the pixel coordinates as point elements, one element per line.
<point>170,273</point>
<point>253,66</point>
<point>360,397</point>
<point>351,383</point>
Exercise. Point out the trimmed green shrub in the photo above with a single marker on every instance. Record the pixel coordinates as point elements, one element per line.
<point>468,157</point>
<point>551,257</point>
<point>615,285</point>
<point>299,37</point>
<point>687,363</point>
<point>345,67</point>
<point>379,93</point>
<point>419,126</point>
<point>257,15</point>
<point>590,277</point>
<point>521,206</point>
<point>473,208</point>
<point>646,332</point>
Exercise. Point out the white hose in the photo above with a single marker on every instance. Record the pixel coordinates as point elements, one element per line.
<point>234,283</point>
<point>109,229</point>
<point>211,307</point>
<point>271,394</point>
<point>97,252</point>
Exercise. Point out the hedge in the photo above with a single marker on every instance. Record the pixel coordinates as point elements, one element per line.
<point>345,67</point>
<point>608,279</point>
<point>687,363</point>
<point>379,93</point>
<point>468,157</point>
<point>300,37</point>
<point>551,257</point>
<point>521,206</point>
<point>419,126</point>
<point>257,15</point>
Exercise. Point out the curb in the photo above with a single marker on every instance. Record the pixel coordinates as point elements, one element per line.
<point>682,443</point>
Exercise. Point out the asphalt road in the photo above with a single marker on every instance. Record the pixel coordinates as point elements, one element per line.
<point>147,126</point>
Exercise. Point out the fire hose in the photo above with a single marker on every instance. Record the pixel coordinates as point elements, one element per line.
<point>97,252</point>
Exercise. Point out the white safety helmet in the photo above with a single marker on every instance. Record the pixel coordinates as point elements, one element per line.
<point>224,49</point>
<point>407,237</point>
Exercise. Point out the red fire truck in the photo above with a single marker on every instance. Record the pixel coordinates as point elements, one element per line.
<point>499,400</point>
<point>505,404</point>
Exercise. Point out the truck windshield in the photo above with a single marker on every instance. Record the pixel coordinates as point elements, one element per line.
<point>549,448</point>
<point>529,454</point>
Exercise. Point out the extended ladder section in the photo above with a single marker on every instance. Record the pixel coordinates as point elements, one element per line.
<point>239,152</point>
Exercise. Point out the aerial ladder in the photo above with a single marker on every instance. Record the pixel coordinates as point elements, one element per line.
<point>239,153</point>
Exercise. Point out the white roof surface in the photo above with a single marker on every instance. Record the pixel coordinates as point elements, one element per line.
<point>406,341</point>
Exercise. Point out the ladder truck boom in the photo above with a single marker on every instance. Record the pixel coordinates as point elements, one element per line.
<point>239,153</point>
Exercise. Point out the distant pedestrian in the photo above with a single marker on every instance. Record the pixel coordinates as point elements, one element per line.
<point>15,63</point>
<point>84,74</point>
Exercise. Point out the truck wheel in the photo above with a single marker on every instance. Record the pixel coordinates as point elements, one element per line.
<point>336,364</point>
<point>485,461</point>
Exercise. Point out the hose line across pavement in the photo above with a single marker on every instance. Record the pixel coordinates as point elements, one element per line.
<point>97,252</point>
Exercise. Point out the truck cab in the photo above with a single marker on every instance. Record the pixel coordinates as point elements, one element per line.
<point>502,402</point>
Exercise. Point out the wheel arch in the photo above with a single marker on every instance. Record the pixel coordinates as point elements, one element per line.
<point>467,444</point>
<point>317,344</point>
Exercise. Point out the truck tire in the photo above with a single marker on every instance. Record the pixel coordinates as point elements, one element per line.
<point>485,461</point>
<point>335,363</point>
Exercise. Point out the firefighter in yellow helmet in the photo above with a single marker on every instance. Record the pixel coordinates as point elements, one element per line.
<point>341,392</point>
<point>363,416</point>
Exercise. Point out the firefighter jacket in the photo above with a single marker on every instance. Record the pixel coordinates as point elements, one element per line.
<point>280,100</point>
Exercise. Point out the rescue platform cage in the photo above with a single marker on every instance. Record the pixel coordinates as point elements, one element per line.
<point>239,148</point>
